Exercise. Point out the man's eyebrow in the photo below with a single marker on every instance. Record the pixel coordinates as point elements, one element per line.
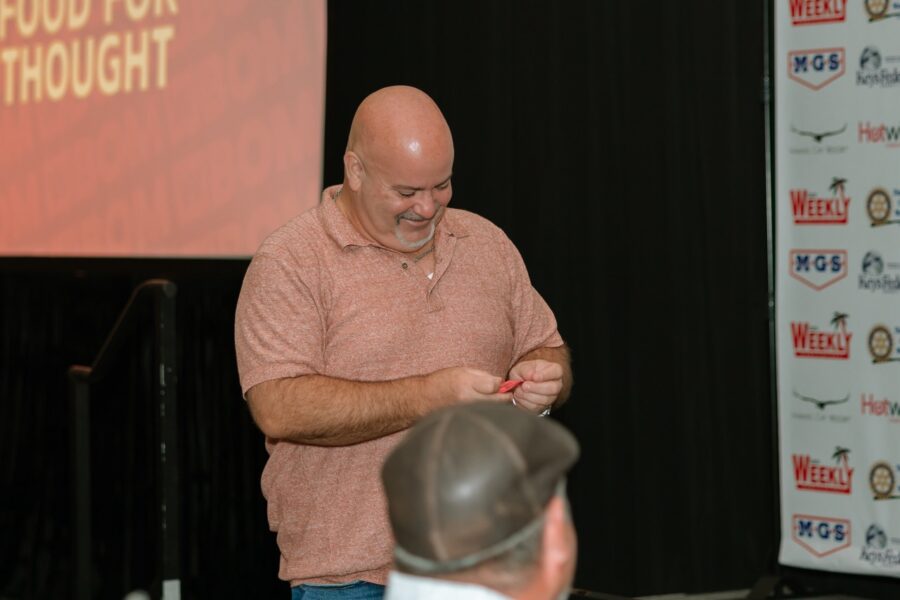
<point>418,189</point>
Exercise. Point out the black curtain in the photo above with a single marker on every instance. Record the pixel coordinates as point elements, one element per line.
<point>58,312</point>
<point>621,147</point>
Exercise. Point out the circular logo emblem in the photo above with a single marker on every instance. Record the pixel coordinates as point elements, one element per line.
<point>881,343</point>
<point>872,263</point>
<point>876,537</point>
<point>870,59</point>
<point>878,205</point>
<point>876,8</point>
<point>881,480</point>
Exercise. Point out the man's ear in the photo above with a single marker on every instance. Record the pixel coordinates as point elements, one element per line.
<point>558,533</point>
<point>353,170</point>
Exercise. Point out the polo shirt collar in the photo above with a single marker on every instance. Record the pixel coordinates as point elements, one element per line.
<point>337,226</point>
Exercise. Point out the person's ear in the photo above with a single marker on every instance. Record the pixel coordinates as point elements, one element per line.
<point>353,170</point>
<point>558,543</point>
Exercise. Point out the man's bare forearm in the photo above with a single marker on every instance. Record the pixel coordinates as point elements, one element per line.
<point>320,410</point>
<point>326,411</point>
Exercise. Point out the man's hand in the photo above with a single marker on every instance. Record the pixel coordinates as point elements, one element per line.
<point>542,383</point>
<point>462,384</point>
<point>547,379</point>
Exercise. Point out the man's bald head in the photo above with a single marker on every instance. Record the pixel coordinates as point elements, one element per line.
<point>397,168</point>
<point>399,123</point>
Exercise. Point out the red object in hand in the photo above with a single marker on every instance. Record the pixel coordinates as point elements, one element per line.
<point>509,385</point>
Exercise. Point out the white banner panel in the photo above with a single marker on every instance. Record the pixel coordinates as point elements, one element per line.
<point>837,143</point>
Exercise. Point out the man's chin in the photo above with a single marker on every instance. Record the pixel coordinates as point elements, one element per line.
<point>414,244</point>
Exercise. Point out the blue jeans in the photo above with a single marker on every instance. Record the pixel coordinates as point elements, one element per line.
<point>355,590</point>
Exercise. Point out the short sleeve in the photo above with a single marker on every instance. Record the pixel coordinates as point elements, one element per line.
<point>278,324</point>
<point>533,321</point>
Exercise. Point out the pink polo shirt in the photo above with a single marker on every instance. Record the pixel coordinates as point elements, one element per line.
<point>320,298</point>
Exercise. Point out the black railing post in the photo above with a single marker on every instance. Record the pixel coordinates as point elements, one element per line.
<point>165,377</point>
<point>170,505</point>
<point>81,482</point>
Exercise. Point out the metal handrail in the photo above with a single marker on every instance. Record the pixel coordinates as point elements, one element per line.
<point>163,291</point>
<point>98,369</point>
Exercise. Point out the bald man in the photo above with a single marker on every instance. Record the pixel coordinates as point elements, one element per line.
<point>364,314</point>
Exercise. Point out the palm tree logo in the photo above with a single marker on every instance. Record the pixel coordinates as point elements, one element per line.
<point>840,455</point>
<point>839,321</point>
<point>837,186</point>
<point>840,458</point>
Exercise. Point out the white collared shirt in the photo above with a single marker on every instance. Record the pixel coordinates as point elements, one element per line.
<point>401,586</point>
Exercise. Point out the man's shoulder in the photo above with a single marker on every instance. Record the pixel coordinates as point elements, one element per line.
<point>302,233</point>
<point>464,222</point>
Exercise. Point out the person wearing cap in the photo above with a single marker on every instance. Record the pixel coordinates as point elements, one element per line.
<point>476,498</point>
<point>364,314</point>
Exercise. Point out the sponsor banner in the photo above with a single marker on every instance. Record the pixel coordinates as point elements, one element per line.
<point>836,71</point>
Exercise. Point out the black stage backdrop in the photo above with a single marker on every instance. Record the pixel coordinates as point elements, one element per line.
<point>620,145</point>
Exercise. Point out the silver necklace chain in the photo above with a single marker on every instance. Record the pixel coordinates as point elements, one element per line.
<point>424,254</point>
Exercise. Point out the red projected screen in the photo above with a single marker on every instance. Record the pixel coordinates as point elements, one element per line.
<point>157,127</point>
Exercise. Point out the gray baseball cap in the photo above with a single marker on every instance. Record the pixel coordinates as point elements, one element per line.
<point>470,481</point>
